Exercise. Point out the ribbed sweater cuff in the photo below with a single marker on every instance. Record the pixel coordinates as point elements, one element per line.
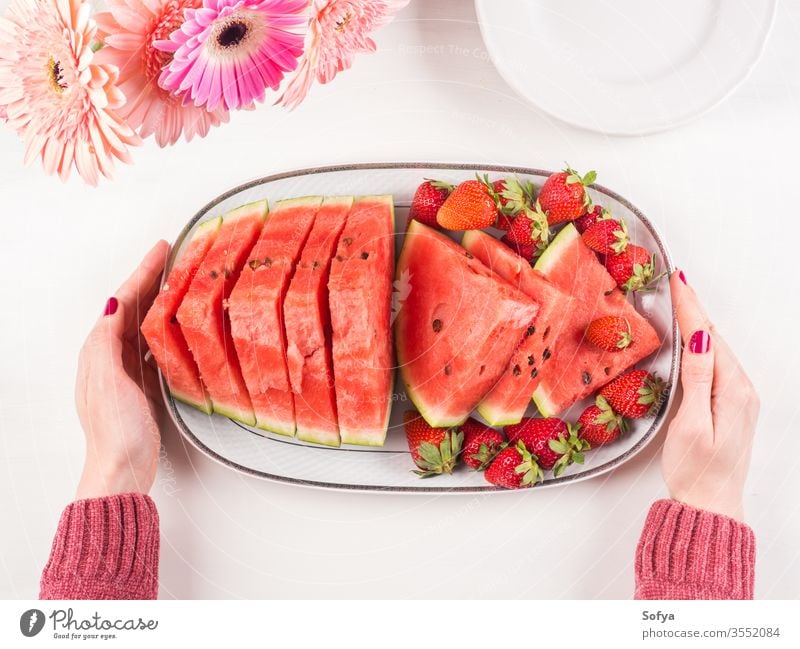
<point>689,553</point>
<point>105,548</point>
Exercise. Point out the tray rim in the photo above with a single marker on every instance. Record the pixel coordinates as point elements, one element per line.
<point>594,472</point>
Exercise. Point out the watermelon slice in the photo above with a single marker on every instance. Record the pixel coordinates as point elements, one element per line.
<point>307,318</point>
<point>160,326</point>
<point>456,328</point>
<point>507,402</point>
<point>202,317</point>
<point>360,289</point>
<point>582,368</point>
<point>256,312</point>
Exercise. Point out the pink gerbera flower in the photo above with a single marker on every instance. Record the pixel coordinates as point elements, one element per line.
<point>337,32</point>
<point>59,101</point>
<point>128,31</point>
<point>229,51</point>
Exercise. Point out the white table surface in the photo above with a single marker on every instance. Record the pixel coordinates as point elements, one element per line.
<point>723,190</point>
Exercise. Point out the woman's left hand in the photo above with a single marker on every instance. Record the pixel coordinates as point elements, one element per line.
<point>116,388</point>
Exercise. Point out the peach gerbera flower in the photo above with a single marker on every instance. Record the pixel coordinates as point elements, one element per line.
<point>61,103</point>
<point>128,31</point>
<point>337,31</point>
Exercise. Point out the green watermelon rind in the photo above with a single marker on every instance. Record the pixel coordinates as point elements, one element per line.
<point>206,407</point>
<point>319,437</point>
<point>354,438</point>
<point>548,260</point>
<point>239,416</point>
<point>273,427</point>
<point>262,207</point>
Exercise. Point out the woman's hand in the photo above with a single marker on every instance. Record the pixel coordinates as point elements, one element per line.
<point>707,451</point>
<point>115,388</point>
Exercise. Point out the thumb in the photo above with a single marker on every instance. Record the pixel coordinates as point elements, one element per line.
<point>697,371</point>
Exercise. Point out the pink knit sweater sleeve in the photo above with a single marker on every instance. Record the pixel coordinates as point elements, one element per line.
<point>104,548</point>
<point>689,553</point>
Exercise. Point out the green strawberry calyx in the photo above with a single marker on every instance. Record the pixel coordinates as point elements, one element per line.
<point>621,237</point>
<point>435,460</point>
<point>440,184</point>
<point>570,448</point>
<point>625,337</point>
<point>519,196</point>
<point>529,466</point>
<point>651,392</point>
<point>643,277</point>
<point>608,417</point>
<point>540,228</point>
<point>587,179</point>
<point>486,454</point>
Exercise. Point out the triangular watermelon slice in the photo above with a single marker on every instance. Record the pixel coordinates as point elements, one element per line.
<point>360,301</point>
<point>308,326</point>
<point>256,311</point>
<point>579,367</point>
<point>203,318</point>
<point>160,326</point>
<point>456,328</point>
<point>507,402</point>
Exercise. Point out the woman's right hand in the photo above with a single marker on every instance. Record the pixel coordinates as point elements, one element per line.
<point>706,455</point>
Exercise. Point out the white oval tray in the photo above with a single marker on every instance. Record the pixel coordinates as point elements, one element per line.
<point>389,468</point>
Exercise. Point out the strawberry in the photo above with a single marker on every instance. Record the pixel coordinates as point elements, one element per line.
<point>530,226</point>
<point>512,197</point>
<point>607,237</point>
<point>564,197</point>
<point>635,394</point>
<point>471,206</point>
<point>594,214</point>
<point>600,424</point>
<point>514,467</point>
<point>611,333</point>
<point>481,444</point>
<point>434,450</point>
<point>553,442</point>
<point>633,269</point>
<point>529,251</point>
<point>427,200</point>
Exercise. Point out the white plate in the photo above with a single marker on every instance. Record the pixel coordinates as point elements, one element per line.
<point>626,67</point>
<point>389,468</point>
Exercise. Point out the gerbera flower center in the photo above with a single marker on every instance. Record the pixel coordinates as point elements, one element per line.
<point>56,75</point>
<point>233,34</point>
<point>236,35</point>
<point>170,20</point>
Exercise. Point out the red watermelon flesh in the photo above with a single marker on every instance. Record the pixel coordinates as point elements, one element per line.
<point>507,402</point>
<point>160,327</point>
<point>255,308</point>
<point>203,318</point>
<point>581,367</point>
<point>360,298</point>
<point>457,326</point>
<point>308,328</point>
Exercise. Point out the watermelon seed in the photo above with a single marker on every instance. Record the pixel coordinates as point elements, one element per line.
<point>447,370</point>
<point>587,378</point>
<point>364,255</point>
<point>607,370</point>
<point>437,325</point>
<point>534,372</point>
<point>546,353</point>
<point>214,274</point>
<point>531,330</point>
<point>481,370</point>
<point>531,360</point>
<point>347,241</point>
<point>267,262</point>
<point>226,272</point>
<point>315,265</point>
<point>174,319</point>
<point>469,255</point>
<point>546,331</point>
<point>253,263</point>
<point>339,258</point>
<point>517,370</point>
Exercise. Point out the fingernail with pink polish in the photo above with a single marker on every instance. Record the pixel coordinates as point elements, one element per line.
<point>682,276</point>
<point>700,342</point>
<point>111,306</point>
